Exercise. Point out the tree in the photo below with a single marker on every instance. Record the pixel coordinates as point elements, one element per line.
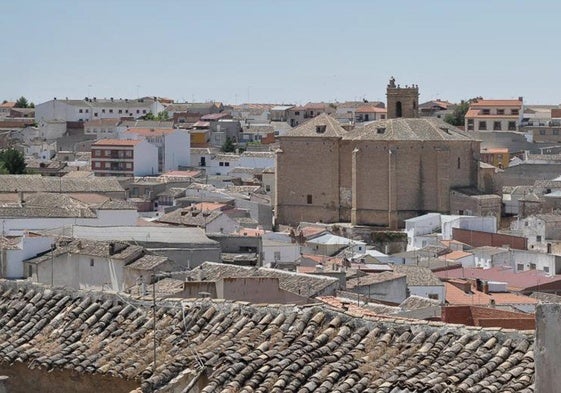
<point>162,116</point>
<point>458,117</point>
<point>148,116</point>
<point>22,103</point>
<point>228,146</point>
<point>12,161</point>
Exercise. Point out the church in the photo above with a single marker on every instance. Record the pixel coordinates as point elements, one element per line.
<point>379,174</point>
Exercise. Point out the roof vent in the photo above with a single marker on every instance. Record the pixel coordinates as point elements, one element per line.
<point>320,129</point>
<point>381,130</point>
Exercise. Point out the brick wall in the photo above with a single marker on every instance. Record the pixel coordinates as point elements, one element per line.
<point>479,239</point>
<point>488,317</point>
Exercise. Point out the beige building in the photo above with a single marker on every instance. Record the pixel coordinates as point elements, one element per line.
<point>380,174</point>
<point>494,115</point>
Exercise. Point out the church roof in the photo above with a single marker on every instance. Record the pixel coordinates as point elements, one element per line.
<point>408,129</point>
<point>320,126</point>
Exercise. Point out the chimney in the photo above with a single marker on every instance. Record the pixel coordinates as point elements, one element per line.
<point>520,99</point>
<point>20,197</point>
<point>111,248</point>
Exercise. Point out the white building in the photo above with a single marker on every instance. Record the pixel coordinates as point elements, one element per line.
<point>102,128</point>
<point>124,157</point>
<point>174,145</point>
<point>279,249</point>
<point>430,228</point>
<point>92,108</point>
<point>15,249</point>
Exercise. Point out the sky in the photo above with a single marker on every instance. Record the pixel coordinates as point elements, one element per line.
<point>286,51</point>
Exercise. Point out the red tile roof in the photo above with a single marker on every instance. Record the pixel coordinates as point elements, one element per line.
<point>150,131</point>
<point>8,104</point>
<point>370,109</point>
<point>117,142</point>
<point>487,103</point>
<point>515,281</point>
<point>456,296</point>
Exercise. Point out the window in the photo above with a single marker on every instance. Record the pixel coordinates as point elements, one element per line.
<point>519,267</point>
<point>496,125</point>
<point>103,111</point>
<point>542,132</point>
<point>120,111</point>
<point>107,165</point>
<point>29,271</point>
<point>546,269</point>
<point>482,125</point>
<point>95,114</point>
<point>128,153</point>
<point>97,164</point>
<point>97,153</point>
<point>486,112</point>
<point>512,126</point>
<point>277,256</point>
<point>107,153</point>
<point>532,266</point>
<point>309,199</point>
<point>126,111</point>
<point>555,132</point>
<point>297,113</point>
<point>226,164</point>
<point>267,188</point>
<point>87,111</point>
<point>500,111</point>
<point>80,111</point>
<point>220,164</point>
<point>459,163</point>
<point>144,111</point>
<point>110,110</point>
<point>538,238</point>
<point>514,112</point>
<point>138,111</point>
<point>91,262</point>
<point>129,165</point>
<point>433,296</point>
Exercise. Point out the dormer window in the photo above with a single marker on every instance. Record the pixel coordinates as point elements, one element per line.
<point>321,129</point>
<point>381,130</point>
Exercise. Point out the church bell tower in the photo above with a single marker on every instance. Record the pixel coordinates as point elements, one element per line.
<point>402,101</point>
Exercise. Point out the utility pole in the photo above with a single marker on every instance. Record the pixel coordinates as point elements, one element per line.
<point>52,265</point>
<point>154,318</point>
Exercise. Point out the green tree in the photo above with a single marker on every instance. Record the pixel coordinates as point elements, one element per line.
<point>12,161</point>
<point>22,103</point>
<point>458,116</point>
<point>148,116</point>
<point>162,116</point>
<point>228,146</point>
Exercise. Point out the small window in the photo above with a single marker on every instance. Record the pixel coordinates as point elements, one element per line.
<point>91,262</point>
<point>486,112</point>
<point>277,255</point>
<point>496,126</point>
<point>220,164</point>
<point>120,111</point>
<point>542,132</point>
<point>433,296</point>
<point>532,266</point>
<point>500,111</point>
<point>538,238</point>
<point>226,164</point>
<point>514,111</point>
<point>520,267</point>
<point>95,114</point>
<point>555,132</point>
<point>144,111</point>
<point>380,130</point>
<point>297,113</point>
<point>267,188</point>
<point>309,199</point>
<point>87,110</point>
<point>459,163</point>
<point>321,129</point>
<point>546,269</point>
<point>482,125</point>
<point>103,111</point>
<point>512,126</point>
<point>110,110</point>
<point>29,271</point>
<point>80,111</point>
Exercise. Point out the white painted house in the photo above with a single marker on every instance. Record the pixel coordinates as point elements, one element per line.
<point>15,249</point>
<point>279,249</point>
<point>174,145</point>
<point>92,108</point>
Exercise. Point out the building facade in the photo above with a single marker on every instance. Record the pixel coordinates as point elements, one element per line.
<point>494,115</point>
<point>124,157</point>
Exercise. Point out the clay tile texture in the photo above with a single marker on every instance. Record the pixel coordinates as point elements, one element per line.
<point>239,347</point>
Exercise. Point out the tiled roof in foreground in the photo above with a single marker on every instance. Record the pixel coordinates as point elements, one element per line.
<point>251,348</point>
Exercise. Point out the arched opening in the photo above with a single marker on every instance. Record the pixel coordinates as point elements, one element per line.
<point>398,111</point>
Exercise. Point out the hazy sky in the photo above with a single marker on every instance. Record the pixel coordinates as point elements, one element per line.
<point>280,51</point>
